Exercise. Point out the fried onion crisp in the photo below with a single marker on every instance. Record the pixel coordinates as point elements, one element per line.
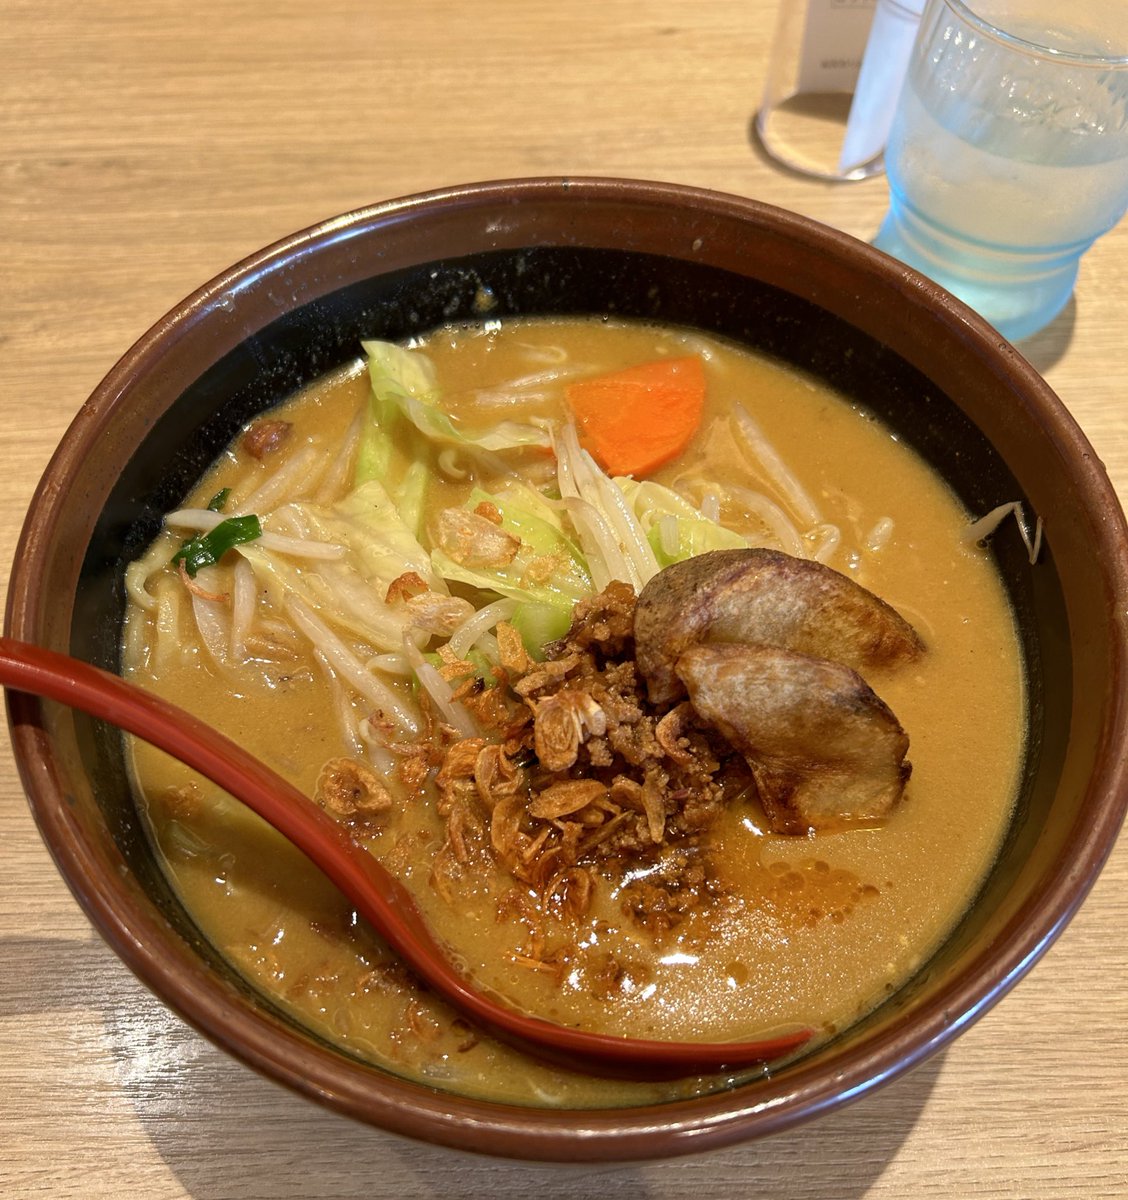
<point>474,540</point>
<point>512,655</point>
<point>404,586</point>
<point>349,790</point>
<point>265,437</point>
<point>563,721</point>
<point>567,798</point>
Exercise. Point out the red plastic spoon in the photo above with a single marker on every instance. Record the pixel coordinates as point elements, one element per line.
<point>376,895</point>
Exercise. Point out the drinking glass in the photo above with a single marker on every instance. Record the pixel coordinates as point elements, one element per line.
<point>835,70</point>
<point>1008,155</point>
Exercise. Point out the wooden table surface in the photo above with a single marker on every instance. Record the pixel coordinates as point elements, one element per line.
<point>146,146</point>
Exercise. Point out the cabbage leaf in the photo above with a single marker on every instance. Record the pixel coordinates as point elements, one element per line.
<point>656,506</point>
<point>548,568</point>
<point>404,383</point>
<point>349,592</point>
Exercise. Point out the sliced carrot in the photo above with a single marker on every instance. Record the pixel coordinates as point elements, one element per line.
<point>633,421</point>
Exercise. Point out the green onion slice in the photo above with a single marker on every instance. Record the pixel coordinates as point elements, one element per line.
<point>206,549</point>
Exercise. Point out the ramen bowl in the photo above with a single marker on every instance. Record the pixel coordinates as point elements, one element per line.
<point>940,378</point>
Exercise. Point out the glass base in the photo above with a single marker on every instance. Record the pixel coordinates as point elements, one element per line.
<point>1018,291</point>
<point>804,133</point>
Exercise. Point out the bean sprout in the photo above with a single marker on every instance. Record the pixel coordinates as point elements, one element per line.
<point>981,530</point>
<point>764,455</point>
<point>468,633</point>
<point>292,479</point>
<point>878,537</point>
<point>242,608</point>
<point>345,663</point>
<point>203,519</point>
<point>827,538</point>
<point>335,481</point>
<point>440,692</point>
<point>773,518</point>
<point>346,717</point>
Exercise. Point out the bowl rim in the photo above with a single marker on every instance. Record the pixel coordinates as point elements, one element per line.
<point>383,1099</point>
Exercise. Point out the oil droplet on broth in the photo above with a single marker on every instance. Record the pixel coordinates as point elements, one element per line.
<point>736,973</point>
<point>806,892</point>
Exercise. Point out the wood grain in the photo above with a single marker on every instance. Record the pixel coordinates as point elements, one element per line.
<point>146,146</point>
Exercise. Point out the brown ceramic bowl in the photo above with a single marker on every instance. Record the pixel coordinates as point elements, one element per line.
<point>879,332</point>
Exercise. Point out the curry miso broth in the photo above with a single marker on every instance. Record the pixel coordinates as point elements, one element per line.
<point>384,645</point>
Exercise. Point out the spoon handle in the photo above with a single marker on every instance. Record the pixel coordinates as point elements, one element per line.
<point>375,893</point>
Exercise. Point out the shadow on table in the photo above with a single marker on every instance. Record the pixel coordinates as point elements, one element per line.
<point>225,1132</point>
<point>1049,345</point>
